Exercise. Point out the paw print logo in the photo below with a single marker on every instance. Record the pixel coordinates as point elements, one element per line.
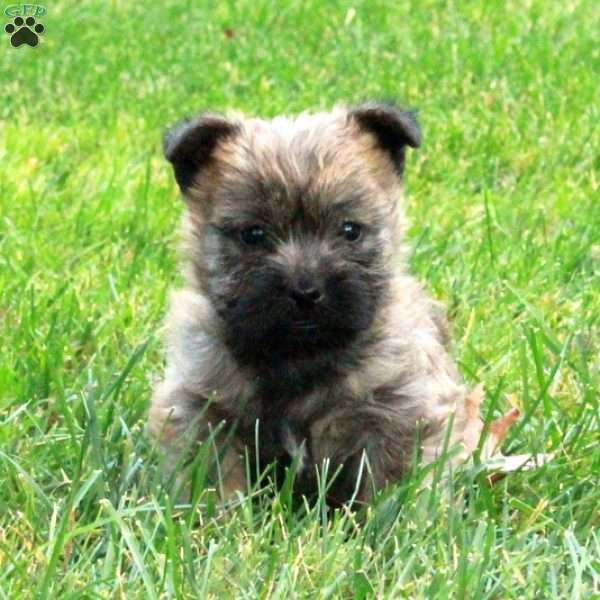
<point>24,31</point>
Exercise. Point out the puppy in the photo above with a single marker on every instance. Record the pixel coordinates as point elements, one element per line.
<point>299,335</point>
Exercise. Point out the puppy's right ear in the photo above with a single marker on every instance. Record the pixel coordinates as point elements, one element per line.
<point>393,128</point>
<point>189,146</point>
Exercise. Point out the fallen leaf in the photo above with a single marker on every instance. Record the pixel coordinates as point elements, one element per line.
<point>496,462</point>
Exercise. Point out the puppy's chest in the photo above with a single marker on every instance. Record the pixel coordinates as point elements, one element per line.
<point>284,424</point>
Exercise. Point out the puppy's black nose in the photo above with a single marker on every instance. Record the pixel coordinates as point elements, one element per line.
<point>305,294</point>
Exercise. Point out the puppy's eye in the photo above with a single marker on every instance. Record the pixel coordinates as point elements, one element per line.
<point>253,236</point>
<point>351,231</point>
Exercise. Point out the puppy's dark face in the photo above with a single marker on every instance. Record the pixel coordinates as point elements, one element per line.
<point>294,226</point>
<point>294,272</point>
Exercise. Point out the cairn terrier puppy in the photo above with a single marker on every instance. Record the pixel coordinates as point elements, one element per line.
<point>299,335</point>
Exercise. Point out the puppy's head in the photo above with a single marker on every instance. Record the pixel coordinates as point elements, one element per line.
<point>294,225</point>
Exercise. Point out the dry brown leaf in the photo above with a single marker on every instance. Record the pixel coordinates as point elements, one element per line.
<point>498,464</point>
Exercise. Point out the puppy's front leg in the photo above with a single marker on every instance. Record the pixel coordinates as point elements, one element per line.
<point>366,447</point>
<point>179,421</point>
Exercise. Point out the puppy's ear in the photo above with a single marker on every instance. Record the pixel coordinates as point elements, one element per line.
<point>393,128</point>
<point>189,146</point>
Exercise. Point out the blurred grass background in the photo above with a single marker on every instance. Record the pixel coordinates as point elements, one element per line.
<point>505,206</point>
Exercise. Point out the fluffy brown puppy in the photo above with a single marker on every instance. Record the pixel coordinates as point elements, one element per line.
<point>299,331</point>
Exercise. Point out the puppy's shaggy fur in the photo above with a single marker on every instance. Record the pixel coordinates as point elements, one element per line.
<point>299,329</point>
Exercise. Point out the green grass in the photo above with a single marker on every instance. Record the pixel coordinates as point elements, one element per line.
<point>505,203</point>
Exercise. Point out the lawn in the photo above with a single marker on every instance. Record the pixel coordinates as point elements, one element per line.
<point>505,206</point>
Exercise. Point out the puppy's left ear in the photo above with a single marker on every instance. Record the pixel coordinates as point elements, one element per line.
<point>189,146</point>
<point>393,128</point>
